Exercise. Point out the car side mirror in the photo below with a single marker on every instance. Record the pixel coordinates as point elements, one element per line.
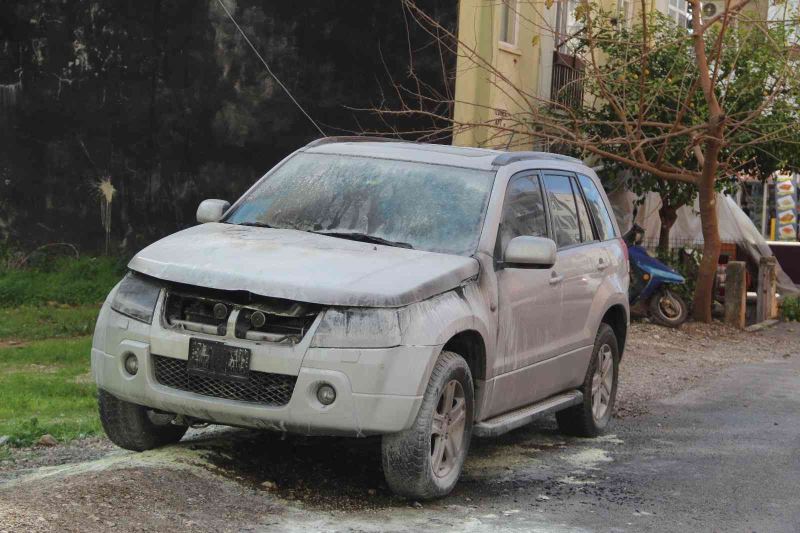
<point>526,251</point>
<point>211,210</point>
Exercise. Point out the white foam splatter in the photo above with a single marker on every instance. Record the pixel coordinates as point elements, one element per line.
<point>588,459</point>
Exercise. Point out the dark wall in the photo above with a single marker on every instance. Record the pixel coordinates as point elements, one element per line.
<point>164,99</point>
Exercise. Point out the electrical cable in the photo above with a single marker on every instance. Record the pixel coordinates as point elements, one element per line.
<point>269,69</point>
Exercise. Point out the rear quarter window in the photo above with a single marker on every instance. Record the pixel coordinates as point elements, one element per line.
<point>598,208</point>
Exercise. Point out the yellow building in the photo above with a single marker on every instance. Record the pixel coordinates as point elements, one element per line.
<point>514,54</point>
<point>527,62</point>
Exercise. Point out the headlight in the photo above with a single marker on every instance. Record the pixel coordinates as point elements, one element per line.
<point>136,297</point>
<point>358,328</point>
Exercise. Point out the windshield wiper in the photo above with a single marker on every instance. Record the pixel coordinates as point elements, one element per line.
<point>256,225</point>
<point>363,237</point>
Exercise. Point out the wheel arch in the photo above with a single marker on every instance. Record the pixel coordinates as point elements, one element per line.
<point>470,345</point>
<point>616,316</point>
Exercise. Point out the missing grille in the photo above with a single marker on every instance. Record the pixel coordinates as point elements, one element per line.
<point>256,318</point>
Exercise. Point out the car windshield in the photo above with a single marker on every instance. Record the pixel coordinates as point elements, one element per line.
<point>424,206</point>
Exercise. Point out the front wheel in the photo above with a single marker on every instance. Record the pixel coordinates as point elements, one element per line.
<point>668,309</point>
<point>424,461</point>
<point>135,427</point>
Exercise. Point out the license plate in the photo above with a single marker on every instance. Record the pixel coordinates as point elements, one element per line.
<point>218,360</point>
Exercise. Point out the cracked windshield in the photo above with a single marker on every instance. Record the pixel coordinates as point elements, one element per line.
<point>413,205</point>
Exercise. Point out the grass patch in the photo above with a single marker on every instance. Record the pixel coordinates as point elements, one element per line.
<point>45,382</point>
<point>28,322</point>
<point>45,387</point>
<point>63,280</point>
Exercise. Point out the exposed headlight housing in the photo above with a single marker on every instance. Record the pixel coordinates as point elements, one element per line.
<point>358,328</point>
<point>136,297</point>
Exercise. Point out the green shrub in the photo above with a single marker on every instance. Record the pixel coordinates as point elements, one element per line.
<point>790,308</point>
<point>685,261</point>
<point>86,280</point>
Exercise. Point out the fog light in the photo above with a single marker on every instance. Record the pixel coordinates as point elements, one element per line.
<point>646,277</point>
<point>131,364</point>
<point>326,394</point>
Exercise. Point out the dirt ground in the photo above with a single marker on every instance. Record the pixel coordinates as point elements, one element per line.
<point>220,480</point>
<point>660,362</point>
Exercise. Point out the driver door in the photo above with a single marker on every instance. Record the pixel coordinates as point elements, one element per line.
<point>529,299</point>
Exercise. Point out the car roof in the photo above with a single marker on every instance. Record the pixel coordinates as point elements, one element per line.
<point>440,154</point>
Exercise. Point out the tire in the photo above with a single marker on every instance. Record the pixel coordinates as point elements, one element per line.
<point>668,309</point>
<point>590,418</point>
<point>420,463</point>
<point>135,427</point>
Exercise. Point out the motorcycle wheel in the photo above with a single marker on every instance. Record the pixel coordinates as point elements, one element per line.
<point>668,309</point>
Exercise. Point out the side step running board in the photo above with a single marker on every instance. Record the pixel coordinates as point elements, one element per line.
<point>515,419</point>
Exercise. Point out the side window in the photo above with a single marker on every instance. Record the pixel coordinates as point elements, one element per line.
<point>587,233</point>
<point>563,210</point>
<point>523,211</point>
<point>598,208</point>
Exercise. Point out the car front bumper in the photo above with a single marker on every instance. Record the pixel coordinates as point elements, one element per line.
<point>378,390</point>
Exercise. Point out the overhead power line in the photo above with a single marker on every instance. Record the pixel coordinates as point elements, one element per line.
<point>266,65</point>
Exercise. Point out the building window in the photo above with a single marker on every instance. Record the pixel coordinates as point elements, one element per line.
<point>678,11</point>
<point>508,21</point>
<point>567,25</point>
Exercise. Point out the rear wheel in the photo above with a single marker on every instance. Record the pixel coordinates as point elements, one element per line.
<point>424,461</point>
<point>591,417</point>
<point>135,427</point>
<point>668,309</point>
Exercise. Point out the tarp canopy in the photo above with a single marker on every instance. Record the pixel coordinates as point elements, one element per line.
<point>734,227</point>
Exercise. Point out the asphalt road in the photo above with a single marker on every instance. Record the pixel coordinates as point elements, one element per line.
<point>724,456</point>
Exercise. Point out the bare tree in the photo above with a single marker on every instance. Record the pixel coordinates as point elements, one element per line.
<point>710,118</point>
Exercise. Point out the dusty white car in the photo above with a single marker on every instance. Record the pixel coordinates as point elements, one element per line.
<point>423,293</point>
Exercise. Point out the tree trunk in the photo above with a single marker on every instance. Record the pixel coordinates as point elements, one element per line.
<point>668,215</point>
<point>703,292</point>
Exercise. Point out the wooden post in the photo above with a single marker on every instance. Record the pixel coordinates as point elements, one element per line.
<point>735,294</point>
<point>767,304</point>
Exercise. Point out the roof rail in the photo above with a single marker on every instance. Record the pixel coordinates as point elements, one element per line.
<point>512,157</point>
<point>351,139</point>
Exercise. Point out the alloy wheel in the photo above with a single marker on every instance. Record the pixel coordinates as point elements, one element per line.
<point>602,382</point>
<point>447,431</point>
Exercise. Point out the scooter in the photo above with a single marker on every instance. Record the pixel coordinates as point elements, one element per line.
<point>650,284</point>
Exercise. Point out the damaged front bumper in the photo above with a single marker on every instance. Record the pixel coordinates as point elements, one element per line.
<point>378,390</point>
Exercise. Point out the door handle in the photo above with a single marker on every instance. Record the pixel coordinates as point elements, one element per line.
<point>602,265</point>
<point>555,278</point>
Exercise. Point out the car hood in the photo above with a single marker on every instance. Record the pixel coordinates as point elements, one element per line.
<point>301,266</point>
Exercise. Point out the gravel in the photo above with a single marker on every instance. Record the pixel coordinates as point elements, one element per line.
<point>659,362</point>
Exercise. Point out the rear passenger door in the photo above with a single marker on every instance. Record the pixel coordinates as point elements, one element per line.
<point>581,258</point>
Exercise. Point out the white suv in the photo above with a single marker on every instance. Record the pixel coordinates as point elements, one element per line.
<point>423,293</point>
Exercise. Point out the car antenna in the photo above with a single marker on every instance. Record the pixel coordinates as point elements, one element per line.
<point>289,94</point>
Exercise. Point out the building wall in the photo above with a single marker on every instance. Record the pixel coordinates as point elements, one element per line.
<point>493,78</point>
<point>514,79</point>
<point>171,106</point>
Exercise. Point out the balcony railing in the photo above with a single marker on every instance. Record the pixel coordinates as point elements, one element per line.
<point>566,87</point>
